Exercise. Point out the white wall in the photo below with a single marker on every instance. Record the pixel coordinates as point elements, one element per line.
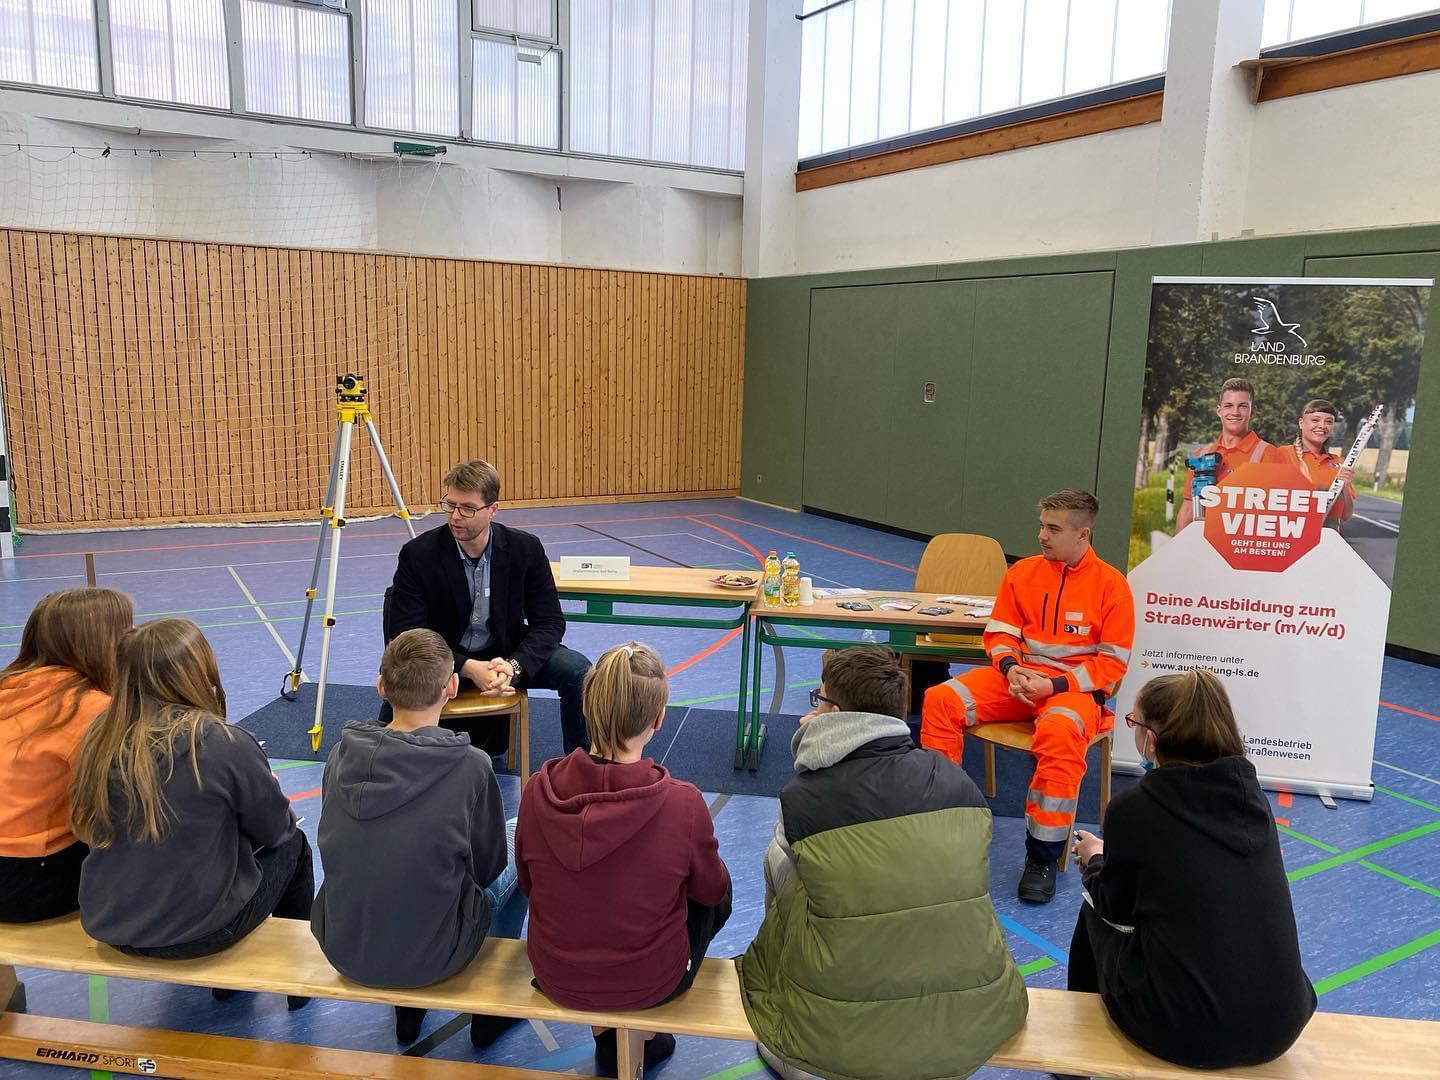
<point>1354,157</point>
<point>475,202</point>
<point>1078,195</point>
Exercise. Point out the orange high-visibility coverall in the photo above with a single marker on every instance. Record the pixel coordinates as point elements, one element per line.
<point>1075,625</point>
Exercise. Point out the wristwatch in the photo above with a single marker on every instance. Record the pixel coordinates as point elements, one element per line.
<point>515,669</point>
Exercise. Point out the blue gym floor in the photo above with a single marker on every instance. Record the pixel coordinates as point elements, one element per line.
<point>1365,877</point>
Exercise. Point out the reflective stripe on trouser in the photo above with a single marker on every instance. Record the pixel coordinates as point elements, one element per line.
<point>979,696</point>
<point>1063,731</point>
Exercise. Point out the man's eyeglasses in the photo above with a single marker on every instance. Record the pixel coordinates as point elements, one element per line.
<point>817,699</point>
<point>465,510</point>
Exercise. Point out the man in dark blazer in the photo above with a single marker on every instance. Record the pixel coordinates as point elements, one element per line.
<point>488,591</point>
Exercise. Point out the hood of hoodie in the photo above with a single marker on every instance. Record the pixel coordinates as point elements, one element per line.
<point>591,809</point>
<point>1221,800</point>
<point>377,770</point>
<point>832,737</point>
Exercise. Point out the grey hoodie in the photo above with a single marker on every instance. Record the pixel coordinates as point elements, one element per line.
<point>411,830</point>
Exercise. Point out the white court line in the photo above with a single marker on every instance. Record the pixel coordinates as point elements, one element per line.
<point>1383,524</point>
<point>727,547</point>
<point>266,620</point>
<point>1407,772</point>
<point>550,1042</point>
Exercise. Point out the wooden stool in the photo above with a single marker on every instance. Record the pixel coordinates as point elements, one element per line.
<point>1018,736</point>
<point>475,703</point>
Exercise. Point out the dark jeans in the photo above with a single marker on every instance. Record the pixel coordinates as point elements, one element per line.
<point>41,888</point>
<point>287,890</point>
<point>702,924</point>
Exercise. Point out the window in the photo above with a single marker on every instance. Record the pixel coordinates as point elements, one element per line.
<point>169,51</point>
<point>297,61</point>
<point>49,42</point>
<point>412,66</point>
<point>516,93</point>
<point>660,80</point>
<point>875,69</point>
<point>1294,20</point>
<point>526,18</point>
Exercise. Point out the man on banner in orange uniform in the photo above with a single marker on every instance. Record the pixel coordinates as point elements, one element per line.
<point>1236,444</point>
<point>1059,643</point>
<point>1310,452</point>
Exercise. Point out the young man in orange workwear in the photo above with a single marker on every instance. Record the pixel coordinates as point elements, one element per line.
<point>1236,444</point>
<point>1310,453</point>
<point>1059,643</point>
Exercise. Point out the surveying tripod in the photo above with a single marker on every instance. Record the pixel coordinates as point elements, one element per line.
<point>350,407</point>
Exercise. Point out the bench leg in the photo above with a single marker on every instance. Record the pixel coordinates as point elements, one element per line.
<point>12,990</point>
<point>990,770</point>
<point>629,1054</point>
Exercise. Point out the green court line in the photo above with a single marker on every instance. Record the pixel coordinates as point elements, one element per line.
<point>1407,798</point>
<point>1288,831</point>
<point>219,607</point>
<point>1401,878</point>
<point>1359,853</point>
<point>244,622</point>
<point>98,995</point>
<point>277,765</point>
<point>731,697</point>
<point>1043,964</point>
<point>745,1068</point>
<point>1377,963</point>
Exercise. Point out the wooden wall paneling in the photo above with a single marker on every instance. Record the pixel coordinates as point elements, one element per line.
<point>141,450</point>
<point>556,417</point>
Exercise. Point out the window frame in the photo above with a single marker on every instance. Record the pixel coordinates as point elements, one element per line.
<point>235,39</point>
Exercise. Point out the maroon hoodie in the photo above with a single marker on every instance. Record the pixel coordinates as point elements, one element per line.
<point>608,855</point>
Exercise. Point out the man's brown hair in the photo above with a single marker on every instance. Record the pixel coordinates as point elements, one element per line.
<point>477,476</point>
<point>416,666</point>
<point>867,679</point>
<point>1239,386</point>
<point>1076,501</point>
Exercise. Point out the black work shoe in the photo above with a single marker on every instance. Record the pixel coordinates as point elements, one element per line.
<point>293,1002</point>
<point>657,1048</point>
<point>407,1023</point>
<point>219,994</point>
<point>1037,884</point>
<point>484,1030</point>
<point>17,1002</point>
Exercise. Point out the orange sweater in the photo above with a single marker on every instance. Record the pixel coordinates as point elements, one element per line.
<point>35,773</point>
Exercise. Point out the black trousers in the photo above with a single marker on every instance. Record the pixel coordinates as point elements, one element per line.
<point>703,924</point>
<point>41,888</point>
<point>287,891</point>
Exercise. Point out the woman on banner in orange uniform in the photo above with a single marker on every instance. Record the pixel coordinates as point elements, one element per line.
<point>1310,453</point>
<point>1059,643</point>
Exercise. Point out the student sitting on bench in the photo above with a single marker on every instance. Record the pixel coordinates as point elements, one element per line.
<point>1187,933</point>
<point>626,885</point>
<point>419,863</point>
<point>192,842</point>
<point>60,681</point>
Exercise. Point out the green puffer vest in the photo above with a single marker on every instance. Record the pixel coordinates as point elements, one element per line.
<point>882,956</point>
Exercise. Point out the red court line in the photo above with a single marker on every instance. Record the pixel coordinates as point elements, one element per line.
<point>1412,712</point>
<point>811,540</point>
<point>299,795</point>
<point>1283,821</point>
<point>731,636</point>
<point>1285,799</point>
<point>738,539</point>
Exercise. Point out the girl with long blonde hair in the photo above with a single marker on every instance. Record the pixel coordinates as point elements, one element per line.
<point>193,843</point>
<point>1187,932</point>
<point>619,859</point>
<point>49,694</point>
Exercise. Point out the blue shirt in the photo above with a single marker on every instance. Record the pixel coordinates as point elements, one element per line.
<point>477,575</point>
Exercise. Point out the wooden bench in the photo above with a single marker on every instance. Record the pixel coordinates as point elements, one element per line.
<point>1065,1033</point>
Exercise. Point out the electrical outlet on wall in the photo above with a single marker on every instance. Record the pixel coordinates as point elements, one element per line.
<point>929,396</point>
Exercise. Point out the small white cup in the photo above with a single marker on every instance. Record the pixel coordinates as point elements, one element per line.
<point>807,591</point>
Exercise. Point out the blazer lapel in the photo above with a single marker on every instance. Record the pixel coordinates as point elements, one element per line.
<point>499,584</point>
<point>452,572</point>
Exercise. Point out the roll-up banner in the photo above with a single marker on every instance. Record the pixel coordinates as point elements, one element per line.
<point>1269,478</point>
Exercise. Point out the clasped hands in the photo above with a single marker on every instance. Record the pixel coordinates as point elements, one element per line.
<point>1029,685</point>
<point>491,676</point>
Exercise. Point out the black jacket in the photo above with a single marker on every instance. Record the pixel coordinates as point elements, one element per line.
<point>1195,944</point>
<point>431,591</point>
<point>203,870</point>
<point>411,830</point>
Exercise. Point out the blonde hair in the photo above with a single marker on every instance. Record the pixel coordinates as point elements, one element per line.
<point>78,630</point>
<point>623,695</point>
<point>1191,718</point>
<point>416,667</point>
<point>167,686</point>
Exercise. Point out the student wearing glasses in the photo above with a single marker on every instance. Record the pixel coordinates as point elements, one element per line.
<point>1187,932</point>
<point>487,589</point>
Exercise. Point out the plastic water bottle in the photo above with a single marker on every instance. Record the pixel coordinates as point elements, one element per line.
<point>790,581</point>
<point>772,580</point>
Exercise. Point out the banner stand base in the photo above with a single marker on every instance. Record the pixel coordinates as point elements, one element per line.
<point>1358,792</point>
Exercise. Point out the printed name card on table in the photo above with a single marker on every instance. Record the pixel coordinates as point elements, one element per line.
<point>595,567</point>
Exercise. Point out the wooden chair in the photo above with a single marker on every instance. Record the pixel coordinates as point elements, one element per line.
<point>963,563</point>
<point>1018,736</point>
<point>473,704</point>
